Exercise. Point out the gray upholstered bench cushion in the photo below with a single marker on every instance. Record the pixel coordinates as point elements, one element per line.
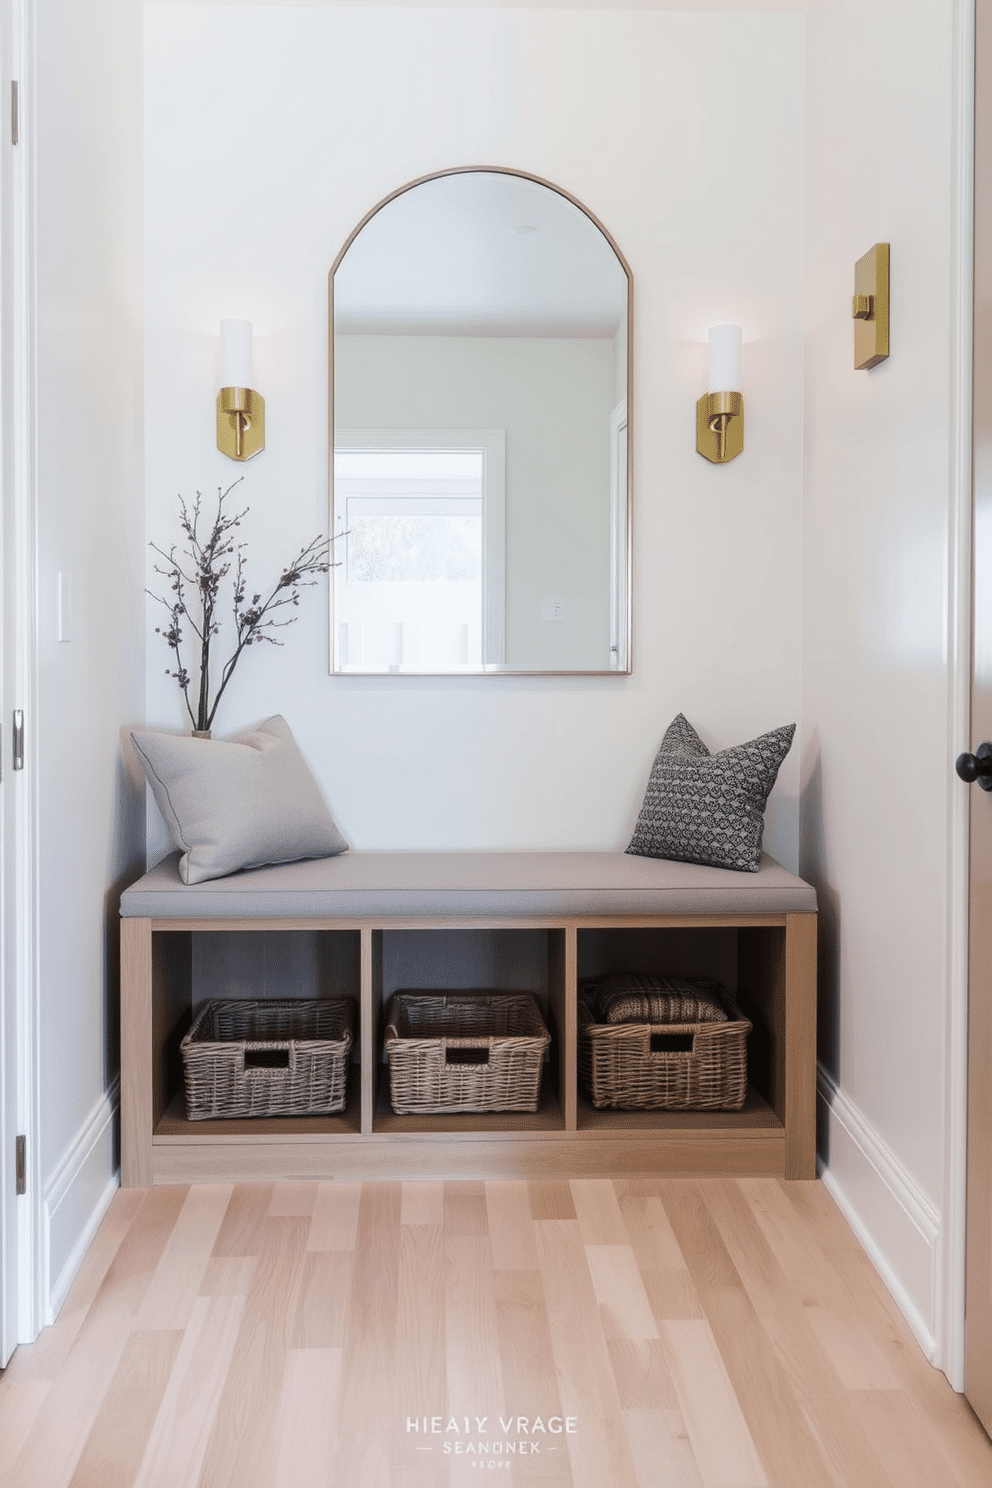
<point>384,884</point>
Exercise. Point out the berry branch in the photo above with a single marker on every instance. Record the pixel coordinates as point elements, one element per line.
<point>195,573</point>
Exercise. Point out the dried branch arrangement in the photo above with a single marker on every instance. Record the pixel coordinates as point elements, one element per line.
<point>196,573</point>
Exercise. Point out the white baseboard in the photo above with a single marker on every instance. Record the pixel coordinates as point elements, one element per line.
<point>77,1196</point>
<point>896,1224</point>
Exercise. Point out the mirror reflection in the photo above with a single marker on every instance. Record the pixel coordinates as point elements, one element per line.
<point>479,470</point>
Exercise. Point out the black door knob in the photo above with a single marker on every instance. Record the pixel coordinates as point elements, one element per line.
<point>977,766</point>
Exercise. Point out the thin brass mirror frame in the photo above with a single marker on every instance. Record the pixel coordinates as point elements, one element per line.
<point>495,671</point>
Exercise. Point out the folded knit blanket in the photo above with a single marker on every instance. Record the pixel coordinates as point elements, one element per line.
<point>626,997</point>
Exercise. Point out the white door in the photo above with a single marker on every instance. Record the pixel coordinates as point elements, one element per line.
<point>8,1041</point>
<point>9,1269</point>
<point>978,1243</point>
<point>21,1257</point>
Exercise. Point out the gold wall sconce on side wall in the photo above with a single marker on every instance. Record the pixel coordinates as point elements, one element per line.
<point>870,307</point>
<point>240,410</point>
<point>720,411</point>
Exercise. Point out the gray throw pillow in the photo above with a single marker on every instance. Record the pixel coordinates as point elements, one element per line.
<point>237,803</point>
<point>709,808</point>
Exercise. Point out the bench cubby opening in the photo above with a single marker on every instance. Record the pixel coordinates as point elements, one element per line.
<point>463,958</point>
<point>708,953</point>
<point>193,966</point>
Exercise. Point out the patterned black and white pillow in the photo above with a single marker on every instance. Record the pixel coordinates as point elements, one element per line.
<point>709,808</point>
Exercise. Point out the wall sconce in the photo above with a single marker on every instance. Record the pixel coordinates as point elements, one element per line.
<point>870,307</point>
<point>720,411</point>
<point>240,410</point>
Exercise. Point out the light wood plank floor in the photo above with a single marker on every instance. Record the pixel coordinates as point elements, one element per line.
<point>685,1333</point>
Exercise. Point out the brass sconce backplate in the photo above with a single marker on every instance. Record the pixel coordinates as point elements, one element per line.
<point>720,426</point>
<point>870,307</point>
<point>240,422</point>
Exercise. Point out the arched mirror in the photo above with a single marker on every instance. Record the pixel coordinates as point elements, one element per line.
<point>480,433</point>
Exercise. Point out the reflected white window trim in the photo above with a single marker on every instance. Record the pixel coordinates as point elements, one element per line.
<point>619,540</point>
<point>396,471</point>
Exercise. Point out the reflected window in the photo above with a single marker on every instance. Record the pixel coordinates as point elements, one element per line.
<point>419,518</point>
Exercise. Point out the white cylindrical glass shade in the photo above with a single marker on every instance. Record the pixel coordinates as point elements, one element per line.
<point>235,353</point>
<point>725,359</point>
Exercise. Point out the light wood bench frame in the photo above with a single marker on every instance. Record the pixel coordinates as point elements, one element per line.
<point>774,1134</point>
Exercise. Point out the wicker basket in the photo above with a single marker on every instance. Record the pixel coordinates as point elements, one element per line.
<point>665,1066</point>
<point>269,1057</point>
<point>457,1051</point>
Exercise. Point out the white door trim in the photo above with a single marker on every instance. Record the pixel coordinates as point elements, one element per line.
<point>949,1330</point>
<point>20,817</point>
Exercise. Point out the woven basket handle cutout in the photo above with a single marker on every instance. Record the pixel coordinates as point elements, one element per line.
<point>466,1051</point>
<point>671,1045</point>
<point>268,1059</point>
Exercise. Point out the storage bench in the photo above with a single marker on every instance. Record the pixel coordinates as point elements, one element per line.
<point>539,922</point>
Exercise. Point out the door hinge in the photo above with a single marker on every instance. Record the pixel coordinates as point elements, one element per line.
<point>18,750</point>
<point>22,1165</point>
<point>15,111</point>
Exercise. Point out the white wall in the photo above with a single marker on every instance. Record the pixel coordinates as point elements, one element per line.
<point>266,142</point>
<point>87,150</point>
<point>880,619</point>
